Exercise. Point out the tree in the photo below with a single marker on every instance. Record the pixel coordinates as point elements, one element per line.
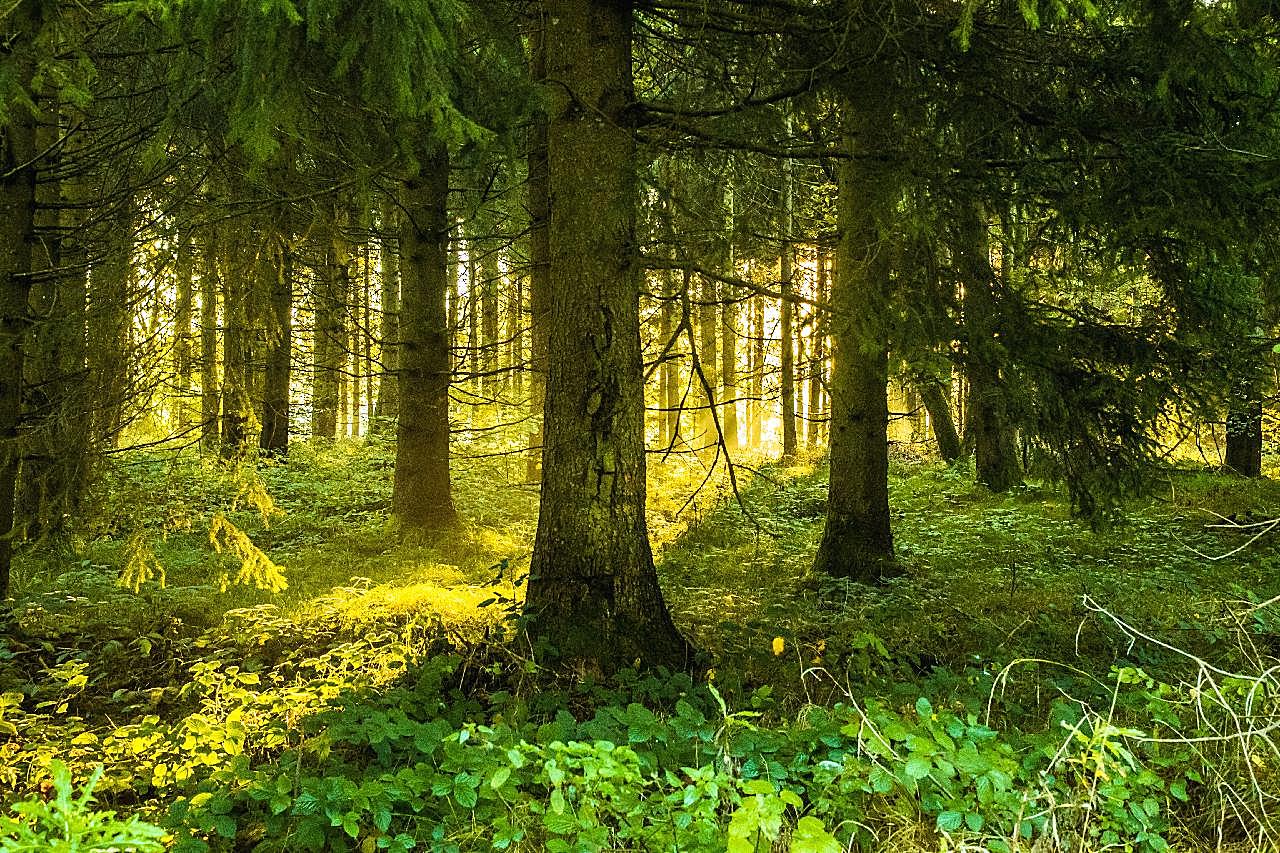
<point>593,591</point>
<point>857,541</point>
<point>422,497</point>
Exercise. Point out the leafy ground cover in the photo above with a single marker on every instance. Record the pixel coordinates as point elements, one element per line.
<point>306,679</point>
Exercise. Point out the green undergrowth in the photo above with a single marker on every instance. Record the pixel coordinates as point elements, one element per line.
<point>1026,682</point>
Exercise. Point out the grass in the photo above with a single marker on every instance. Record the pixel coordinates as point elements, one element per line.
<point>994,584</point>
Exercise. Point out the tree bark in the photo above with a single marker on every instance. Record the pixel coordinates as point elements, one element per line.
<point>539,190</point>
<point>1244,431</point>
<point>818,353</point>
<point>857,541</point>
<point>787,389</point>
<point>994,449</point>
<point>278,281</point>
<point>17,206</point>
<point>236,404</point>
<point>327,342</point>
<point>109,324</point>
<point>210,395</point>
<point>934,396</point>
<point>729,336</point>
<point>422,495</point>
<point>388,406</point>
<point>593,591</point>
<point>755,412</point>
<point>185,276</point>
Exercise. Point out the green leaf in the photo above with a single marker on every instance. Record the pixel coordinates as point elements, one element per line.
<point>500,777</point>
<point>924,709</point>
<point>810,836</point>
<point>950,821</point>
<point>918,766</point>
<point>974,821</point>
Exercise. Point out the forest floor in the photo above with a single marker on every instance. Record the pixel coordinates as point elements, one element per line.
<point>1026,679</point>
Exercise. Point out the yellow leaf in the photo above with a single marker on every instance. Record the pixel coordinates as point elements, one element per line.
<point>779,645</point>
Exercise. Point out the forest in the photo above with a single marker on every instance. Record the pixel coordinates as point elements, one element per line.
<point>662,425</point>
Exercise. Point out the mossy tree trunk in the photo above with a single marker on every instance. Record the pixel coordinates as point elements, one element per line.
<point>593,591</point>
<point>422,496</point>
<point>1244,429</point>
<point>18,154</point>
<point>539,190</point>
<point>857,541</point>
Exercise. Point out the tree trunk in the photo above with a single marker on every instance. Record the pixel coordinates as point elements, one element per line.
<point>1244,431</point>
<point>278,280</point>
<point>422,496</point>
<point>539,189</point>
<point>490,277</point>
<point>327,342</point>
<point>593,592</point>
<point>818,353</point>
<point>210,394</point>
<point>707,396</point>
<point>786,334</point>
<point>109,324</point>
<point>994,449</point>
<point>236,404</point>
<point>729,337</point>
<point>934,396</point>
<point>857,541</point>
<point>388,406</point>
<point>182,332</point>
<point>756,409</point>
<point>17,204</point>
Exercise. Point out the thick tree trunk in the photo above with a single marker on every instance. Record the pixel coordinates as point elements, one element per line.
<point>422,496</point>
<point>278,281</point>
<point>387,409</point>
<point>934,396</point>
<point>17,205</point>
<point>210,394</point>
<point>109,322</point>
<point>857,541</point>
<point>994,449</point>
<point>593,592</point>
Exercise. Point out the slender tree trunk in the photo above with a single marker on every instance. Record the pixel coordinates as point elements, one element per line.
<point>236,403</point>
<point>18,154</point>
<point>210,389</point>
<point>708,319</point>
<point>422,497</point>
<point>857,541</point>
<point>515,335</point>
<point>539,189</point>
<point>593,592</point>
<point>474,344</point>
<point>994,448</point>
<point>667,423</point>
<point>185,276</point>
<point>328,336</point>
<point>756,409</point>
<point>490,279</point>
<point>387,408</point>
<point>818,350</point>
<point>278,280</point>
<point>934,396</point>
<point>729,336</point>
<point>787,342</point>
